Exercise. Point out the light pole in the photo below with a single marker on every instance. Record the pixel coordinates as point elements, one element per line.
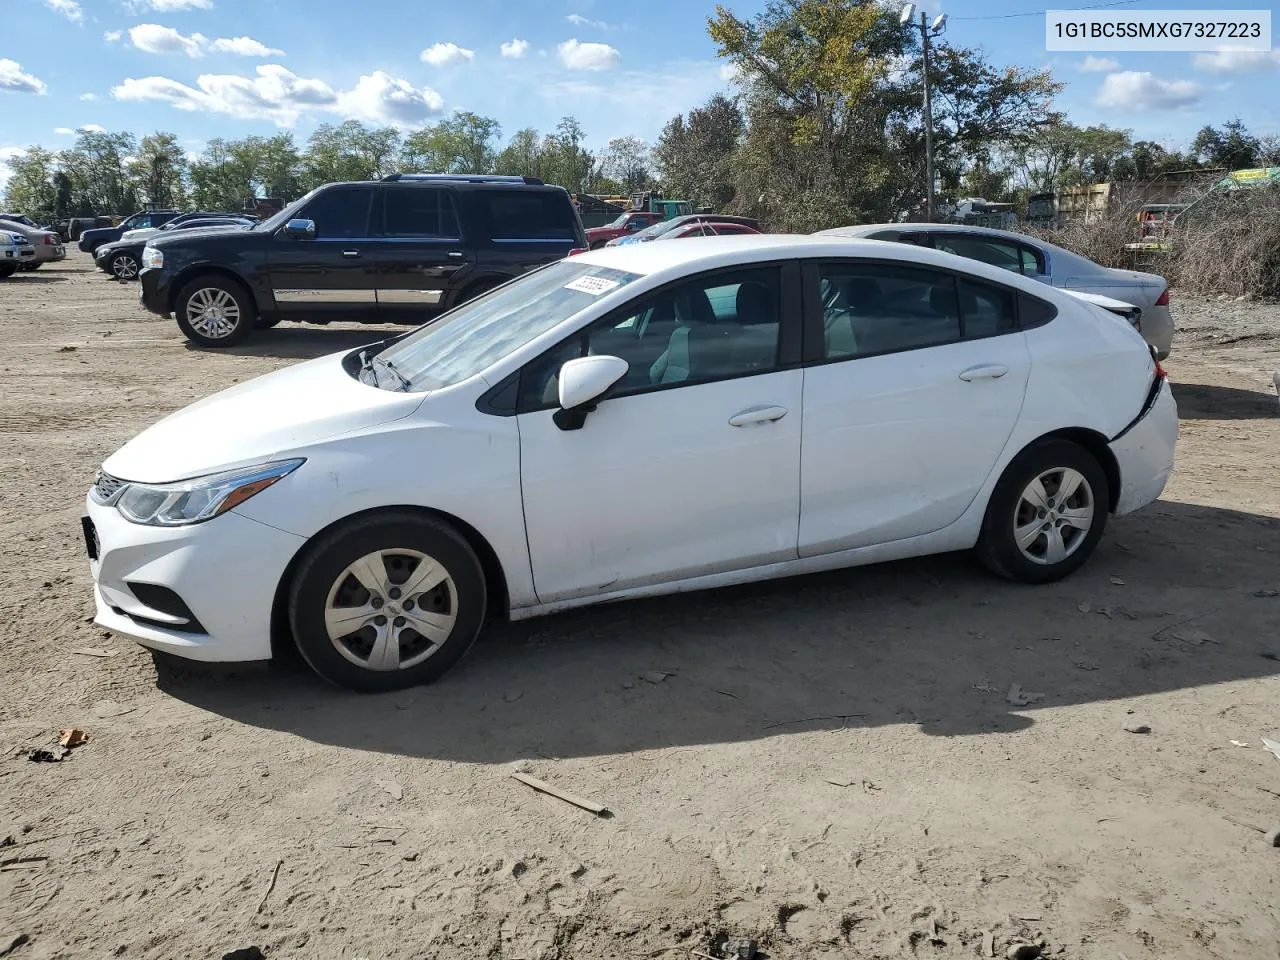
<point>927,31</point>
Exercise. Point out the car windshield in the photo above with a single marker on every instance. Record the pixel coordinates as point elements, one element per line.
<point>476,335</point>
<point>285,215</point>
<point>621,221</point>
<point>658,229</point>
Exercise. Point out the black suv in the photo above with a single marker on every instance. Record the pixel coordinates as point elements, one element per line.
<point>396,250</point>
<point>91,240</point>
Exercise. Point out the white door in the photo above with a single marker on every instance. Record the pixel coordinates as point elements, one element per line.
<point>905,420</point>
<point>691,466</point>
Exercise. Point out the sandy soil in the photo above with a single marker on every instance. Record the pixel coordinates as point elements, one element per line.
<point>830,766</point>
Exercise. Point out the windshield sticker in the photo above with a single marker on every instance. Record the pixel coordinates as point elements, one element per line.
<point>592,285</point>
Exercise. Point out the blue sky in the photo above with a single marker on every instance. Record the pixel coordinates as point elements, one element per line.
<point>205,68</point>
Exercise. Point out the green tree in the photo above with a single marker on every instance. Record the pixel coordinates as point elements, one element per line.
<point>97,166</point>
<point>1232,147</point>
<point>695,155</point>
<point>626,161</point>
<point>461,143</point>
<point>1061,154</point>
<point>31,189</point>
<point>158,170</point>
<point>350,151</point>
<point>522,156</point>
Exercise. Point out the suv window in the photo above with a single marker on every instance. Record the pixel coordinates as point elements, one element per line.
<point>341,213</point>
<point>528,215</point>
<point>874,308</point>
<point>712,328</point>
<point>419,212</point>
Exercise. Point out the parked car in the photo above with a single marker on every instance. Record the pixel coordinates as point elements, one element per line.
<point>15,250</point>
<point>629,422</point>
<point>123,259</point>
<point>660,230</point>
<point>48,245</point>
<point>91,240</point>
<point>708,228</point>
<point>76,226</point>
<point>183,219</point>
<point>396,250</point>
<point>633,221</point>
<point>1041,261</point>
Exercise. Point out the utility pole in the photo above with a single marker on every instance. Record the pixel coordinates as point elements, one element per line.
<point>927,32</point>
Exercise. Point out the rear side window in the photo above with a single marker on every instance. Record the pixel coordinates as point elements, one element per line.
<point>998,253</point>
<point>1034,312</point>
<point>528,215</point>
<point>986,310</point>
<point>1032,262</point>
<point>419,212</point>
<point>341,213</point>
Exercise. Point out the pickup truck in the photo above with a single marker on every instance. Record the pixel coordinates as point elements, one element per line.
<point>91,240</point>
<point>633,221</point>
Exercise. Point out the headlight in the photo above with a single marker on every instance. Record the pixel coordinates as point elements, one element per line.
<point>192,501</point>
<point>152,258</point>
<point>18,238</point>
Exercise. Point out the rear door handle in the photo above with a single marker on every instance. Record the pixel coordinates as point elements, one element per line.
<point>757,415</point>
<point>986,371</point>
<point>456,254</point>
<point>351,253</point>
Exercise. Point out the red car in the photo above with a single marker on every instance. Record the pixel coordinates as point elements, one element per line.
<point>631,222</point>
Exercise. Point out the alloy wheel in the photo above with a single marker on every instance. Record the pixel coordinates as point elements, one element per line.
<point>213,313</point>
<point>391,609</point>
<point>1053,516</point>
<point>124,267</point>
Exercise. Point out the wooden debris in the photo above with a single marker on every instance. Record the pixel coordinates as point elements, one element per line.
<point>541,786</point>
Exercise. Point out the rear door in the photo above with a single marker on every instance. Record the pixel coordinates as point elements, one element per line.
<point>518,228</point>
<point>421,253</point>
<point>916,381</point>
<point>328,277</point>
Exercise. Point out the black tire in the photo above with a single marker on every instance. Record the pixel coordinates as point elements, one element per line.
<point>266,323</point>
<point>223,290</point>
<point>998,547</point>
<point>124,267</point>
<point>30,266</point>
<point>321,573</point>
<point>7,270</point>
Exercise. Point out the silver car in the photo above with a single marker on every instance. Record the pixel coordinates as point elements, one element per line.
<point>15,251</point>
<point>48,245</point>
<point>1041,261</point>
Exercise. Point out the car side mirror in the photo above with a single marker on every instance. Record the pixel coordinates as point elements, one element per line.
<point>583,383</point>
<point>300,229</point>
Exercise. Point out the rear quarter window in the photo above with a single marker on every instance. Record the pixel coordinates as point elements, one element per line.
<point>528,215</point>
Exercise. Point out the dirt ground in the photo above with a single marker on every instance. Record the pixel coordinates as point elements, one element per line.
<point>830,765</point>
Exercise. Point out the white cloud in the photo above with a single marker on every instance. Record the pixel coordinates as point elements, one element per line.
<point>89,96</point>
<point>91,128</point>
<point>729,72</point>
<point>244,47</point>
<point>443,54</point>
<point>1135,91</point>
<point>7,154</point>
<point>515,49</point>
<point>1092,64</point>
<point>63,131</point>
<point>68,8</point>
<point>578,20</point>
<point>588,56</point>
<point>168,6</point>
<point>111,36</point>
<point>277,94</point>
<point>14,80</point>
<point>153,38</point>
<point>1237,61</point>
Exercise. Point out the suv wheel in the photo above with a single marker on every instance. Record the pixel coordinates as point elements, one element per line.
<point>387,601</point>
<point>124,267</point>
<point>1046,514</point>
<point>29,266</point>
<point>215,312</point>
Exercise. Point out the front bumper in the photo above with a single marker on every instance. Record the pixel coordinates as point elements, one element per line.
<point>1144,453</point>
<point>153,291</point>
<point>225,570</point>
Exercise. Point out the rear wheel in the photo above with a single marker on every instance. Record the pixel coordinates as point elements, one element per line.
<point>1046,514</point>
<point>215,312</point>
<point>124,267</point>
<point>7,270</point>
<point>387,601</point>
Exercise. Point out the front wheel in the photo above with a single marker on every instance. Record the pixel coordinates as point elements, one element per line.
<point>30,266</point>
<point>387,601</point>
<point>124,267</point>
<point>7,270</point>
<point>1046,514</point>
<point>215,312</point>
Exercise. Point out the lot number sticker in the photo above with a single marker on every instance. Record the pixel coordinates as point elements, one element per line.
<point>592,285</point>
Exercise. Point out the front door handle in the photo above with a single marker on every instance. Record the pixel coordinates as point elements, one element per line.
<point>757,415</point>
<point>456,254</point>
<point>986,371</point>
<point>351,253</point>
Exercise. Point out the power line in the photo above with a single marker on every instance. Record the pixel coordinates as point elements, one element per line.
<point>1040,13</point>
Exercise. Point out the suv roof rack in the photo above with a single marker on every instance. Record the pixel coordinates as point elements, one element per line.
<point>465,177</point>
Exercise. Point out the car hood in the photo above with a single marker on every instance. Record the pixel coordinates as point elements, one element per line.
<point>175,238</point>
<point>139,233</point>
<point>268,418</point>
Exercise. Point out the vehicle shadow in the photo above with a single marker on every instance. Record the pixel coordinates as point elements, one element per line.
<point>1206,401</point>
<point>23,277</point>
<point>934,642</point>
<point>295,341</point>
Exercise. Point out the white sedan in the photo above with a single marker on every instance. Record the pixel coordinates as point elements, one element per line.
<point>1031,257</point>
<point>632,421</point>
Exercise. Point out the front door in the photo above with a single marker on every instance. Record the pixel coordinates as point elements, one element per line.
<point>691,466</point>
<point>422,256</point>
<point>920,384</point>
<point>327,277</point>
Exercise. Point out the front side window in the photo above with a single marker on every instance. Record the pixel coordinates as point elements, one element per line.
<point>341,213</point>
<point>875,308</point>
<point>529,215</point>
<point>712,328</point>
<point>138,222</point>
<point>473,337</point>
<point>425,212</point>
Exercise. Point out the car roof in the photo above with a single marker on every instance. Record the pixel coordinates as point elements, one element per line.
<point>1058,253</point>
